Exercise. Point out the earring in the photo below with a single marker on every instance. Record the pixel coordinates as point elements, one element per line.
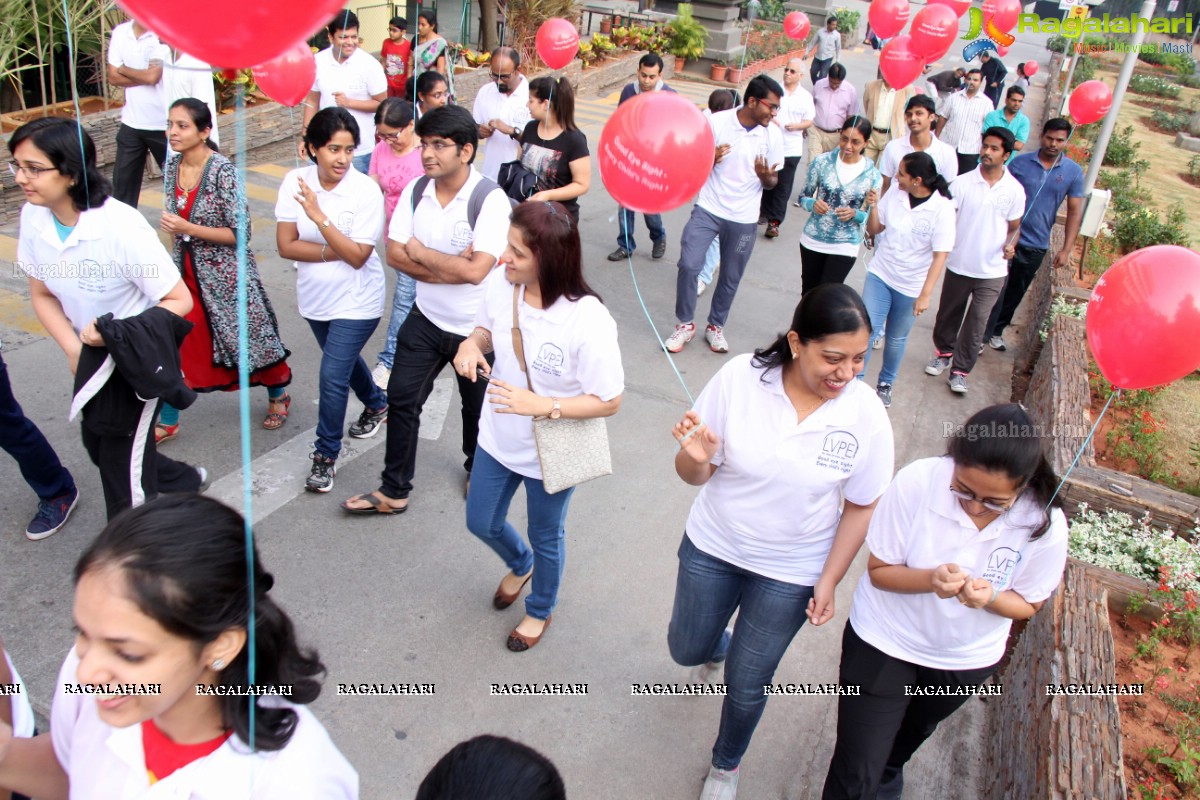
<point>218,664</point>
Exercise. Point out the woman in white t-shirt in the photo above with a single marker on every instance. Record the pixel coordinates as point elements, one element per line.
<point>330,217</point>
<point>156,690</point>
<point>914,231</point>
<point>792,454</point>
<point>88,255</point>
<point>573,367</point>
<point>961,546</point>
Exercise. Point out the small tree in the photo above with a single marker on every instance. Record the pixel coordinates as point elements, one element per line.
<point>688,37</point>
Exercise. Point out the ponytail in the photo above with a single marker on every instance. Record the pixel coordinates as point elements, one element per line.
<point>919,164</point>
<point>940,185</point>
<point>561,96</point>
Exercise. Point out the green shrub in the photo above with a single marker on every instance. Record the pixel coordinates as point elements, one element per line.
<point>1085,70</point>
<point>847,19</point>
<point>1146,226</point>
<point>768,9</point>
<point>1171,122</point>
<point>1180,63</point>
<point>1153,85</point>
<point>1122,150</point>
<point>1190,81</point>
<point>1194,173</point>
<point>1117,541</point>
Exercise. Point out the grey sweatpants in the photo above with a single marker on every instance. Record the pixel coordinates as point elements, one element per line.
<point>958,330</point>
<point>737,242</point>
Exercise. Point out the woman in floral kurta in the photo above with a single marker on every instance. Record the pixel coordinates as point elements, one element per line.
<point>202,209</point>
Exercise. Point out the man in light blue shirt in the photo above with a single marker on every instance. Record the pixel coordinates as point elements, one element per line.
<point>1047,176</point>
<point>828,49</point>
<point>1011,117</point>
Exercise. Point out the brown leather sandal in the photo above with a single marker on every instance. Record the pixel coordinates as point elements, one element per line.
<point>502,600</point>
<point>277,412</point>
<point>519,642</point>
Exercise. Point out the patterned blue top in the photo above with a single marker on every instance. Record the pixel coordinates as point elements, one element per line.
<point>823,182</point>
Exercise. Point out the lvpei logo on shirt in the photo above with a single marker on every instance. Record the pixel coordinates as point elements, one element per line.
<point>838,451</point>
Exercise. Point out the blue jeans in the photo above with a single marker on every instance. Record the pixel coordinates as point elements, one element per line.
<point>342,369</point>
<point>707,592</point>
<point>711,259</point>
<point>628,221</point>
<point>362,163</point>
<point>492,489</point>
<point>402,302</point>
<point>888,307</point>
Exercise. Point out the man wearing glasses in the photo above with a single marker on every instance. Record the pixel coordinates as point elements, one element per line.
<point>796,113</point>
<point>349,78</point>
<point>649,79</point>
<point>501,110</point>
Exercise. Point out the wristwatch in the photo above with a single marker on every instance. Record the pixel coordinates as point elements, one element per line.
<point>326,223</point>
<point>555,412</point>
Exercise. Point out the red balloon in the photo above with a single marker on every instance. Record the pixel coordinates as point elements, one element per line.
<point>797,25</point>
<point>1090,101</point>
<point>246,34</point>
<point>898,62</point>
<point>888,17</point>
<point>1143,321</point>
<point>1001,50</point>
<point>959,7</point>
<point>1031,68</point>
<point>655,153</point>
<point>288,78</point>
<point>1002,12</point>
<point>933,32</point>
<point>557,42</point>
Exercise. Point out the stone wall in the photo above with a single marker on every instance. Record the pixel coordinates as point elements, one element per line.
<point>1048,748</point>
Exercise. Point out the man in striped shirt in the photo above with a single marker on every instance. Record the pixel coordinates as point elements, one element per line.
<point>960,124</point>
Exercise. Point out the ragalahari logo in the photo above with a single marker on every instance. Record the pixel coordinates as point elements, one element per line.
<point>995,39</point>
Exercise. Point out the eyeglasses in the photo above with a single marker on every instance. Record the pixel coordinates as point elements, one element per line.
<point>503,77</point>
<point>790,71</point>
<point>33,172</point>
<point>437,147</point>
<point>988,504</point>
<point>388,137</point>
<point>773,106</point>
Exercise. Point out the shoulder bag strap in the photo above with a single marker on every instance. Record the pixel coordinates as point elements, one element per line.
<point>518,344</point>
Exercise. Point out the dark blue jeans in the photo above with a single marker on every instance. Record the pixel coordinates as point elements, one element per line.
<point>707,592</point>
<point>342,369</point>
<point>492,489</point>
<point>422,351</point>
<point>628,221</point>
<point>22,440</point>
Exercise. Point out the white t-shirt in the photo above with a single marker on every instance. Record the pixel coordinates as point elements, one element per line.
<point>571,349</point>
<point>23,723</point>
<point>773,504</point>
<point>451,307</point>
<point>904,251</point>
<point>943,155</point>
<point>112,261</point>
<point>794,107</point>
<point>107,763</point>
<point>187,76</point>
<point>733,190</point>
<point>919,524</point>
<point>144,108</point>
<point>334,289</point>
<point>361,77</point>
<point>983,215</point>
<point>511,109</point>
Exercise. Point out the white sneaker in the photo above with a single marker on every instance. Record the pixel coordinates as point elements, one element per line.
<point>720,784</point>
<point>700,286</point>
<point>877,343</point>
<point>716,339</point>
<point>683,334</point>
<point>380,376</point>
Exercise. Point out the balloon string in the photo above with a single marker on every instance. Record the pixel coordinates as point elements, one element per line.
<point>75,99</point>
<point>1082,447</point>
<point>1045,176</point>
<point>243,241</point>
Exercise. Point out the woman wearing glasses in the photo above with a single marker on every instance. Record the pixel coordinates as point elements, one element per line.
<point>395,163</point>
<point>961,545</point>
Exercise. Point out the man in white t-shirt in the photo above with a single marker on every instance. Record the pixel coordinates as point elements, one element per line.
<point>796,115</point>
<point>919,114</point>
<point>188,76</point>
<point>960,122</point>
<point>135,63</point>
<point>433,238</point>
<point>502,111</point>
<point>350,78</point>
<point>748,157</point>
<point>990,203</point>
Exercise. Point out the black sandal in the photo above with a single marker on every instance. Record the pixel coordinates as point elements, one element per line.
<point>377,506</point>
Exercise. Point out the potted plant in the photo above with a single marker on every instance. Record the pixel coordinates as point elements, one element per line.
<point>688,37</point>
<point>735,74</point>
<point>606,25</point>
<point>848,25</point>
<point>719,71</point>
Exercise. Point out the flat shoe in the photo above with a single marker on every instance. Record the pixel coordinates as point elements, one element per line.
<point>165,433</point>
<point>519,642</point>
<point>377,506</point>
<point>501,601</point>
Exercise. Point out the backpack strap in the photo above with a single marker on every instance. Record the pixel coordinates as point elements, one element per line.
<point>478,196</point>
<point>419,189</point>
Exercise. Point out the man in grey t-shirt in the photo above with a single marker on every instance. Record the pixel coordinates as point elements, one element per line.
<point>827,50</point>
